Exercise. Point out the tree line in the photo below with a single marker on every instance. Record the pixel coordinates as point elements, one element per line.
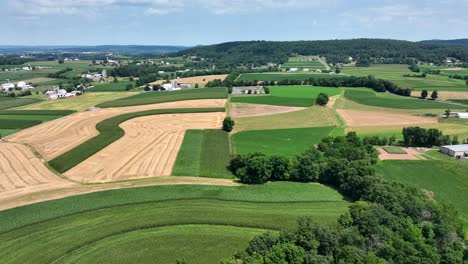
<point>257,53</point>
<point>388,222</point>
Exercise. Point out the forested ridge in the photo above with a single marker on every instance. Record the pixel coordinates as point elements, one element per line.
<point>383,50</point>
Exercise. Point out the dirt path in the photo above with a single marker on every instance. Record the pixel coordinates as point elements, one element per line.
<point>56,137</point>
<point>411,154</point>
<point>239,110</point>
<point>14,199</point>
<point>357,118</point>
<point>149,148</point>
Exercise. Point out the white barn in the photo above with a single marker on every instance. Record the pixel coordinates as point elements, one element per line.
<point>456,151</point>
<point>462,115</point>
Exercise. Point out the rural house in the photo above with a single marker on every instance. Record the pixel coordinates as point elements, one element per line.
<point>456,151</point>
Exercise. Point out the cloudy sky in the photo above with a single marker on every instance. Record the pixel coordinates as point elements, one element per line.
<point>184,22</point>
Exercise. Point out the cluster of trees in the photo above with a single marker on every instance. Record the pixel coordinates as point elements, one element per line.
<point>228,124</point>
<point>322,99</point>
<point>424,75</point>
<point>14,60</point>
<point>389,222</point>
<point>424,94</point>
<point>59,74</point>
<point>256,53</point>
<point>414,67</point>
<point>422,137</point>
<point>380,141</point>
<point>459,77</point>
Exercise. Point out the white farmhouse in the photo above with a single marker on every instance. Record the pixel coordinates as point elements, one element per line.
<point>7,85</point>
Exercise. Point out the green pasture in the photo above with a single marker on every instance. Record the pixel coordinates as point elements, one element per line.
<point>395,72</point>
<point>25,75</point>
<point>9,102</point>
<point>112,87</point>
<point>109,131</point>
<point>16,119</point>
<point>6,132</point>
<point>281,76</point>
<point>316,116</point>
<point>448,179</point>
<point>77,103</point>
<point>461,101</point>
<point>167,96</point>
<point>117,221</point>
<point>300,96</point>
<point>286,142</point>
<point>204,153</point>
<point>304,62</point>
<point>17,124</point>
<point>368,97</point>
<point>195,243</point>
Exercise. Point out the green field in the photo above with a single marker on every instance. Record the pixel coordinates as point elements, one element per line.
<point>304,62</point>
<point>17,124</point>
<point>281,76</point>
<point>448,179</point>
<point>9,102</point>
<point>395,72</point>
<point>111,87</point>
<point>166,96</point>
<point>461,101</point>
<point>6,132</point>
<point>204,153</point>
<point>394,150</point>
<point>300,96</point>
<point>123,223</point>
<point>287,142</point>
<point>77,103</point>
<point>316,116</point>
<point>109,131</point>
<point>14,120</point>
<point>394,101</point>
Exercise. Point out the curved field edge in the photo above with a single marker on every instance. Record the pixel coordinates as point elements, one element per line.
<point>109,131</point>
<point>199,243</point>
<point>47,241</point>
<point>278,192</point>
<point>166,96</point>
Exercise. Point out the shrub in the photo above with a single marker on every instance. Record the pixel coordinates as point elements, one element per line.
<point>228,124</point>
<point>322,99</point>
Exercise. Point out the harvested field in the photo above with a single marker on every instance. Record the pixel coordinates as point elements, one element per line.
<point>155,142</point>
<point>411,154</point>
<point>22,172</point>
<point>357,118</point>
<point>445,95</point>
<point>204,79</point>
<point>247,110</point>
<point>56,137</point>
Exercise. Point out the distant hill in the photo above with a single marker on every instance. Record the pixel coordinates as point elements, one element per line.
<point>448,41</point>
<point>380,50</point>
<point>133,49</point>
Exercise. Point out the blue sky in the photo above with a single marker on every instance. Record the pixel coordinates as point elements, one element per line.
<point>184,22</point>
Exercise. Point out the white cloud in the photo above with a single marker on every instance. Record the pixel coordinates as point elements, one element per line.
<point>162,11</point>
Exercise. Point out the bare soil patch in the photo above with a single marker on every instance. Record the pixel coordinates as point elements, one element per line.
<point>204,79</point>
<point>22,172</point>
<point>445,95</point>
<point>357,118</point>
<point>247,110</point>
<point>148,149</point>
<point>58,136</point>
<point>453,69</point>
<point>411,154</point>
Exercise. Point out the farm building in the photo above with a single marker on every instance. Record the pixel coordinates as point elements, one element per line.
<point>456,151</point>
<point>461,115</point>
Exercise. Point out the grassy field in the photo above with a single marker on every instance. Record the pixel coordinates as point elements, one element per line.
<point>160,97</point>
<point>14,120</point>
<point>6,132</point>
<point>394,101</point>
<point>395,72</point>
<point>315,116</point>
<point>9,102</point>
<point>302,62</point>
<point>109,131</point>
<point>112,87</point>
<point>394,150</point>
<point>287,142</point>
<point>204,153</point>
<point>77,103</point>
<point>281,76</point>
<point>170,218</point>
<point>448,179</point>
<point>460,101</point>
<point>300,96</point>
